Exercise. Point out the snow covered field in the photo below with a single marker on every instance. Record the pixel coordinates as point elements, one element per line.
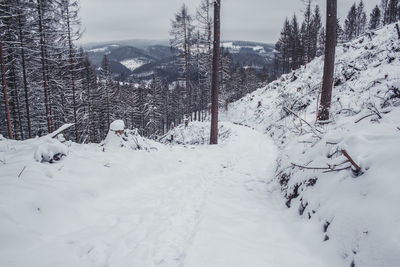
<point>167,206</point>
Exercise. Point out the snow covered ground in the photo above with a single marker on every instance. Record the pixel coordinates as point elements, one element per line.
<point>168,206</point>
<point>357,214</point>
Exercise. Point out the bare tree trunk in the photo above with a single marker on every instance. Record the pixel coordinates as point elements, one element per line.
<point>3,76</point>
<point>187,81</point>
<point>329,64</point>
<point>71,62</point>
<point>215,72</point>
<point>26,90</point>
<point>45,85</point>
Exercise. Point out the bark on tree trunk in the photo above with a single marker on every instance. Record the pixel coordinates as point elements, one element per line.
<point>45,86</point>
<point>3,76</point>
<point>329,64</point>
<point>71,62</point>
<point>26,90</point>
<point>215,72</point>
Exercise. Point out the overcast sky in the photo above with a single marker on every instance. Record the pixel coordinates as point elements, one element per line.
<point>251,20</point>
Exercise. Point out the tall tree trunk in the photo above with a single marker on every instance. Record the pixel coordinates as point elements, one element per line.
<point>215,72</point>
<point>329,63</point>
<point>45,85</point>
<point>187,80</point>
<point>71,62</point>
<point>24,76</point>
<point>3,76</point>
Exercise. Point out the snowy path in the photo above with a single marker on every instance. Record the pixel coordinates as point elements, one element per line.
<point>185,207</point>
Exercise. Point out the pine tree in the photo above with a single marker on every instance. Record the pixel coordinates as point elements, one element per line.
<point>181,40</point>
<point>350,26</point>
<point>5,94</point>
<point>315,30</point>
<point>361,19</point>
<point>393,9</point>
<point>307,31</point>
<point>375,18</point>
<point>69,11</point>
<point>205,23</point>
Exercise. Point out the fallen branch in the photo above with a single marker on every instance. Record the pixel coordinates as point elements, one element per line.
<point>338,170</point>
<point>325,169</point>
<point>60,130</point>
<point>351,66</point>
<point>356,167</point>
<point>398,30</point>
<point>367,116</point>
<point>315,131</point>
<point>310,168</point>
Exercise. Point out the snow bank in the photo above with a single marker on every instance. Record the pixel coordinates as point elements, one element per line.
<point>196,133</point>
<point>50,150</point>
<point>119,137</point>
<point>357,212</point>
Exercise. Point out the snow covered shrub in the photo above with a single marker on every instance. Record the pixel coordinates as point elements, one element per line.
<point>119,137</point>
<point>50,150</point>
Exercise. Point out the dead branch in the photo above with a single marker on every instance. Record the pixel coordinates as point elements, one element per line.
<point>314,130</point>
<point>334,153</point>
<point>376,111</point>
<point>310,168</point>
<point>331,143</point>
<point>398,30</point>
<point>60,130</point>
<point>351,66</point>
<point>338,170</point>
<point>325,169</point>
<point>367,116</point>
<point>356,167</point>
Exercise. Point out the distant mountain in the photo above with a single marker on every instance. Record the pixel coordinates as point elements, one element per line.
<point>141,59</point>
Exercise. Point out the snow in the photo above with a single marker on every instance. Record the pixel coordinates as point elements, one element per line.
<point>133,202</point>
<point>175,206</point>
<point>134,63</point>
<point>118,137</point>
<point>357,213</point>
<point>117,125</point>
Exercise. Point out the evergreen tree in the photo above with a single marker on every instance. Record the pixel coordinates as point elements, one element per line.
<point>375,18</point>
<point>181,40</point>
<point>350,26</point>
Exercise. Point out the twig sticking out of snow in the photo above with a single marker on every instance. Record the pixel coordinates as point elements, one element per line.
<point>23,169</point>
<point>314,130</point>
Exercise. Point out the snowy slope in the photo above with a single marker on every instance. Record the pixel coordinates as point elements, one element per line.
<point>114,205</point>
<point>357,213</point>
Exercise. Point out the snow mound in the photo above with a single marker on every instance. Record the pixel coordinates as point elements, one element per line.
<point>117,125</point>
<point>118,137</point>
<point>50,150</point>
<point>342,176</point>
<point>196,133</point>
